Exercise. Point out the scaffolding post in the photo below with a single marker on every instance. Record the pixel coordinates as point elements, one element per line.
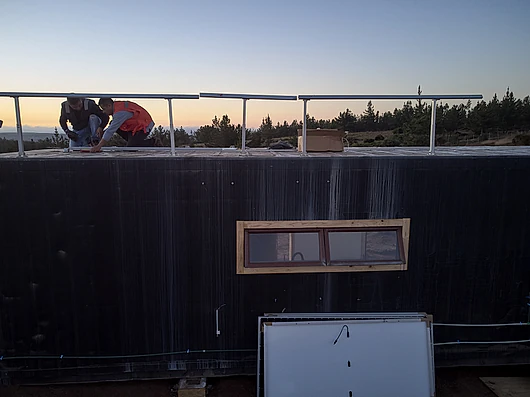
<point>171,128</point>
<point>433,128</point>
<point>244,127</point>
<point>304,129</point>
<point>20,137</point>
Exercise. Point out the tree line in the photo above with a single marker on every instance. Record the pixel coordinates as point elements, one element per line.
<point>56,141</point>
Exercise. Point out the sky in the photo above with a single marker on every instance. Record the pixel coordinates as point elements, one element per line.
<point>259,47</point>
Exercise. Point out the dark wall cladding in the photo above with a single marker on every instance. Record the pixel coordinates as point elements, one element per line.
<point>133,256</point>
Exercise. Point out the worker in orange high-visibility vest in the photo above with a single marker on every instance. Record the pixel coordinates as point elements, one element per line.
<point>129,120</point>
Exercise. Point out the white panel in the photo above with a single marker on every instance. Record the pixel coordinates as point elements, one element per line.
<point>386,359</point>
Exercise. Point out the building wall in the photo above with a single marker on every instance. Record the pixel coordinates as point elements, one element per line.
<point>134,255</point>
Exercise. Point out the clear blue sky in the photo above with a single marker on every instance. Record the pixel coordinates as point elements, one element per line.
<point>272,47</point>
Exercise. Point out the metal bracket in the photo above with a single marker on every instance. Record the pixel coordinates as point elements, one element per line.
<point>217,330</point>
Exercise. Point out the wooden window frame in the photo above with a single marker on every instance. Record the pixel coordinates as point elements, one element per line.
<point>244,228</point>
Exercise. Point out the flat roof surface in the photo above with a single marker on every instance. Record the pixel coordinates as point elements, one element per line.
<point>460,151</point>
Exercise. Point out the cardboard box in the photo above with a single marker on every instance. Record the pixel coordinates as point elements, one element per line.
<point>322,140</point>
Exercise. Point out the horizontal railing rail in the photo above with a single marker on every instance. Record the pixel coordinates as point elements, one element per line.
<point>387,97</point>
<point>97,95</point>
<point>248,96</point>
<point>244,97</point>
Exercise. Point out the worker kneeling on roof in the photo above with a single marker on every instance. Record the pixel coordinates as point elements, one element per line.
<point>87,120</point>
<point>129,120</point>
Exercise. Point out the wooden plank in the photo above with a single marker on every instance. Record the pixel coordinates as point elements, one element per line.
<point>240,247</point>
<point>325,224</point>
<point>319,269</point>
<point>508,386</point>
<point>406,236</point>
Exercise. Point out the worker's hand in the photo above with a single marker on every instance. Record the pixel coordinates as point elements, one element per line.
<point>72,135</point>
<point>99,132</point>
<point>97,148</point>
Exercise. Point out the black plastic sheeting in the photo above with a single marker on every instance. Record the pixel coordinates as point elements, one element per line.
<point>132,256</point>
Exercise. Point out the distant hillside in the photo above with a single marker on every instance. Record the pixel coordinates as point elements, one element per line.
<point>456,138</point>
<point>28,136</point>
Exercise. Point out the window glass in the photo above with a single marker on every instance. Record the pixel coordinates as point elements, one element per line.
<point>363,246</point>
<point>284,247</point>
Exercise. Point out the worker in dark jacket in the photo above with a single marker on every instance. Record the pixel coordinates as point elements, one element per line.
<point>87,119</point>
<point>129,120</point>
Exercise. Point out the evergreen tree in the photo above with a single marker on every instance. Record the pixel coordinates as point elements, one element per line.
<point>346,121</point>
<point>368,118</point>
<point>509,111</point>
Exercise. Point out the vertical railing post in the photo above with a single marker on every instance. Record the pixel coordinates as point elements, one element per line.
<point>433,128</point>
<point>20,137</point>
<point>244,127</point>
<point>171,129</point>
<point>304,129</point>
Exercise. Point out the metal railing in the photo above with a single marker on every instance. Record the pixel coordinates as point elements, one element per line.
<point>433,98</point>
<point>17,95</point>
<point>244,97</point>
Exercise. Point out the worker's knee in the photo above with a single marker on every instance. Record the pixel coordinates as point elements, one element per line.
<point>93,119</point>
